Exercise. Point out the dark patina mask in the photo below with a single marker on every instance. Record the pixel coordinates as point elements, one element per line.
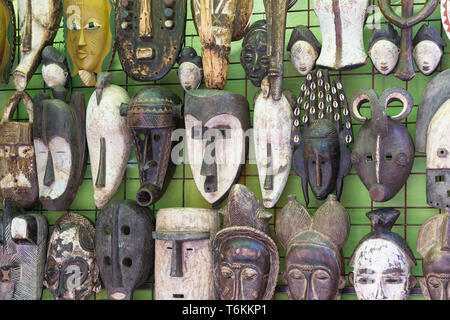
<point>246,259</point>
<point>22,253</point>
<point>71,272</point>
<point>124,247</point>
<point>149,36</point>
<point>383,153</point>
<point>150,118</point>
<point>314,261</point>
<point>7,39</point>
<point>322,157</point>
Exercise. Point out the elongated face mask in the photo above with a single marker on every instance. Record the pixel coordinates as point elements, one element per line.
<point>71,272</point>
<point>7,39</point>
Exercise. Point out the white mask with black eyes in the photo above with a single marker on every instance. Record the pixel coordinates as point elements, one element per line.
<point>384,55</point>
<point>303,56</point>
<point>427,55</point>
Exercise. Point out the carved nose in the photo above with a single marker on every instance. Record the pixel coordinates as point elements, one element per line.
<point>378,193</point>
<point>81,41</point>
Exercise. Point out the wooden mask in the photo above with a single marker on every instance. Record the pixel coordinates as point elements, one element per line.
<point>71,272</point>
<point>150,119</point>
<point>428,49</point>
<point>445,16</point>
<point>322,156</point>
<point>22,253</point>
<point>108,138</point>
<point>183,253</point>
<point>89,32</point>
<point>39,22</point>
<point>432,132</point>
<point>304,48</point>
<point>18,174</point>
<point>149,36</point>
<point>7,39</point>
<point>246,259</point>
<point>216,122</point>
<point>124,247</point>
<point>384,49</point>
<point>341,24</point>
<point>59,136</point>
<point>218,23</point>
<point>55,71</point>
<point>254,57</point>
<point>314,262</point>
<point>190,69</point>
<point>433,244</point>
<point>383,153</point>
<point>382,261</point>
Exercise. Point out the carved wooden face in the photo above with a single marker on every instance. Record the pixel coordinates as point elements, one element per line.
<point>384,55</point>
<point>312,273</point>
<point>244,266</point>
<point>190,75</point>
<point>381,271</point>
<point>436,271</point>
<point>427,55</point>
<point>303,56</point>
<point>254,57</point>
<point>54,75</point>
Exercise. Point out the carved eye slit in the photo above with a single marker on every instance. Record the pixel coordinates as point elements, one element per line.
<point>127,262</point>
<point>369,157</point>
<point>125,230</point>
<point>388,157</point>
<point>322,275</point>
<point>393,280</point>
<point>226,273</point>
<point>435,283</point>
<point>107,260</point>
<point>296,274</point>
<point>365,280</point>
<point>440,178</point>
<point>249,274</point>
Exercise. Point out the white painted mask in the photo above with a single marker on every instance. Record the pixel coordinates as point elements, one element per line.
<point>190,75</point>
<point>427,55</point>
<point>303,56</point>
<point>384,55</point>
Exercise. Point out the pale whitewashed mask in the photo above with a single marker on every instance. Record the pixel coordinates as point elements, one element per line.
<point>190,71</point>
<point>428,49</point>
<point>384,55</point>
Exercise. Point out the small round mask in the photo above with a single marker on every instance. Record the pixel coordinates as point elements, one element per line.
<point>304,48</point>
<point>384,49</point>
<point>190,71</point>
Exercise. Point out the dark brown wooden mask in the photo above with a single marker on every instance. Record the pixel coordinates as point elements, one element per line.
<point>383,153</point>
<point>246,259</point>
<point>150,118</point>
<point>18,175</point>
<point>59,135</point>
<point>7,39</point>
<point>149,36</point>
<point>22,253</point>
<point>432,137</point>
<point>322,156</point>
<point>124,247</point>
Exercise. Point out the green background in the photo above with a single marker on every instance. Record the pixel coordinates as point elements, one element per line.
<point>182,192</point>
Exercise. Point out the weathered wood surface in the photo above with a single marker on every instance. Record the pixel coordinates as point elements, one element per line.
<point>7,39</point>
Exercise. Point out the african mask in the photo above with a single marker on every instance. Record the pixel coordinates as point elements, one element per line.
<point>149,36</point>
<point>433,244</point>
<point>183,258</point>
<point>384,49</point>
<point>432,132</point>
<point>218,23</point>
<point>382,261</point>
<point>322,156</point>
<point>246,259</point>
<point>55,71</point>
<point>304,48</point>
<point>22,253</point>
<point>341,24</point>
<point>71,272</point>
<point>18,174</point>
<point>150,119</point>
<point>190,70</point>
<point>383,153</point>
<point>39,22</point>
<point>108,138</point>
<point>89,31</point>
<point>254,57</point>
<point>445,16</point>
<point>7,39</point>
<point>59,138</point>
<point>314,261</point>
<point>428,49</point>
<point>216,122</point>
<point>124,247</point>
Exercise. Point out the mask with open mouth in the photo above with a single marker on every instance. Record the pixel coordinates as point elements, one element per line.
<point>7,39</point>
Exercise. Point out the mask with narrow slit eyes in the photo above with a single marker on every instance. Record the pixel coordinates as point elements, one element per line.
<point>384,55</point>
<point>427,55</point>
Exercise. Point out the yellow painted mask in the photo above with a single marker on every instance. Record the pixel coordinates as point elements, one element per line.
<point>7,28</point>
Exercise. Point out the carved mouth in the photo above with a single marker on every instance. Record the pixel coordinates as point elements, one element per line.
<point>82,54</point>
<point>384,68</point>
<point>426,68</point>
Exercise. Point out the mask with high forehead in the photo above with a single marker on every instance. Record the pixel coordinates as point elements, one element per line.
<point>382,261</point>
<point>322,156</point>
<point>108,138</point>
<point>216,122</point>
<point>183,259</point>
<point>384,49</point>
<point>304,48</point>
<point>149,36</point>
<point>71,272</point>
<point>383,153</point>
<point>89,30</point>
<point>225,21</point>
<point>7,39</point>
<point>254,57</point>
<point>246,259</point>
<point>124,247</point>
<point>190,70</point>
<point>341,23</point>
<point>39,22</point>
<point>433,244</point>
<point>22,253</point>
<point>18,175</point>
<point>314,261</point>
<point>432,132</point>
<point>428,49</point>
<point>151,120</point>
<point>60,142</point>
